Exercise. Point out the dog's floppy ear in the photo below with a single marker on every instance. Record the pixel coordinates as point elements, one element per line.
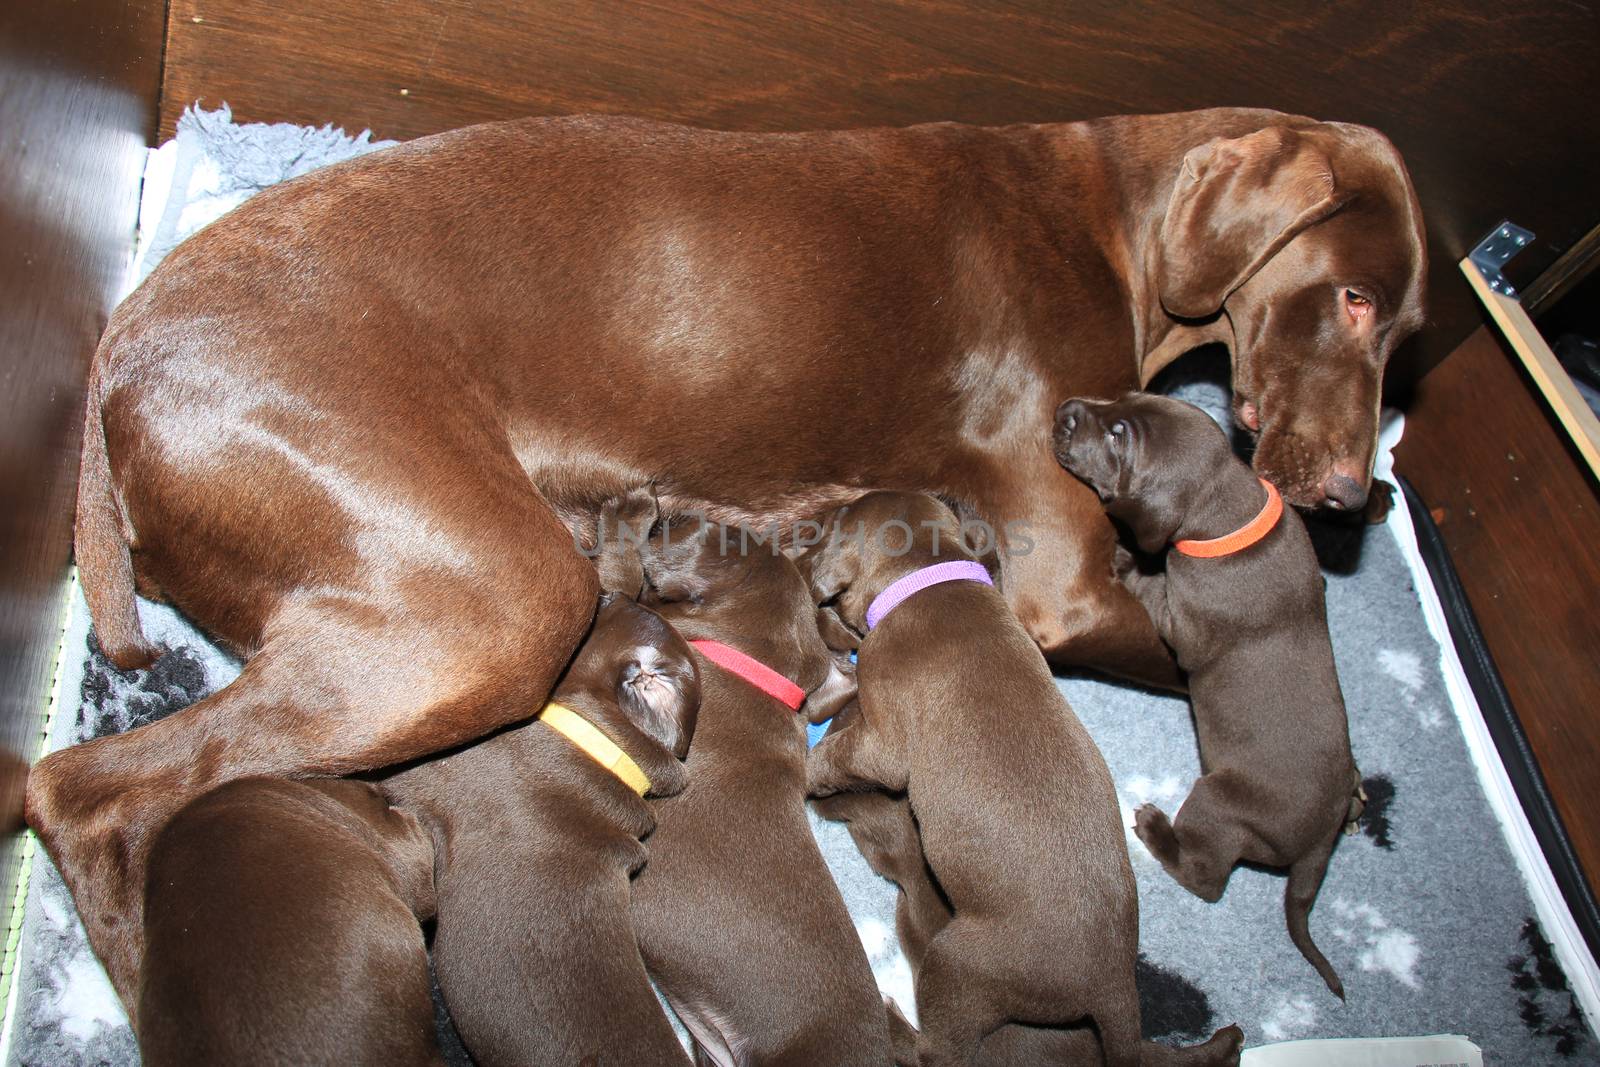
<point>674,562</point>
<point>659,690</point>
<point>625,522</point>
<point>1236,202</point>
<point>836,690</point>
<point>835,633</point>
<point>830,565</point>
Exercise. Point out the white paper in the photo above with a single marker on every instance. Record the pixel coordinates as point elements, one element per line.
<point>1442,1050</point>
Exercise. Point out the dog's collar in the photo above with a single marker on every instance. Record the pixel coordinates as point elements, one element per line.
<point>956,570</point>
<point>1244,536</point>
<point>604,751</point>
<point>753,671</point>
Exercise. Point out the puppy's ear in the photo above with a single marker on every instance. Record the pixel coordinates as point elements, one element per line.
<point>836,690</point>
<point>674,563</point>
<point>625,522</point>
<point>659,690</point>
<point>838,636</point>
<point>830,565</point>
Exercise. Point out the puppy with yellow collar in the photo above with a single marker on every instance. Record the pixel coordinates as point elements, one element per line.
<point>537,834</point>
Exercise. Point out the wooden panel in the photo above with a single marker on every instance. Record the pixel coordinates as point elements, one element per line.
<point>1522,521</point>
<point>1489,104</point>
<point>78,102</point>
<point>1560,394</point>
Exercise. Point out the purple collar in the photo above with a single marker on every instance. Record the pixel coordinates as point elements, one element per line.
<point>959,570</point>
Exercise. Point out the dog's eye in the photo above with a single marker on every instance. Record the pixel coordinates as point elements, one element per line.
<point>1355,299</point>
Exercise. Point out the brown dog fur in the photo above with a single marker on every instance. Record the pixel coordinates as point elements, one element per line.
<point>1012,800</point>
<point>882,827</point>
<point>322,424</point>
<point>739,919</point>
<point>281,921</point>
<point>281,918</point>
<point>1251,629</point>
<point>537,846</point>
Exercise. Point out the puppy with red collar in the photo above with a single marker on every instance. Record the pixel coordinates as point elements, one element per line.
<point>740,922</point>
<point>1241,604</point>
<point>1017,814</point>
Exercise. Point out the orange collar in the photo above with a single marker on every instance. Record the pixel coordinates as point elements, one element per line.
<point>1244,536</point>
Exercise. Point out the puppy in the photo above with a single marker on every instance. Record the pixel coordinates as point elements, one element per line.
<point>739,919</point>
<point>281,925</point>
<point>1241,604</point>
<point>1015,806</point>
<point>282,917</point>
<point>537,840</point>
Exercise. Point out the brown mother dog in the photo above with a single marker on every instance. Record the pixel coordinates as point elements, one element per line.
<point>339,427</point>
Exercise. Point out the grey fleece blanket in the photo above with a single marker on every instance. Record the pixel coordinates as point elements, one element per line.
<point>1424,912</point>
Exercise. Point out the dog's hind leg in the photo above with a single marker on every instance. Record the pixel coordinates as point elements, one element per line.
<point>457,616</point>
<point>281,920</point>
<point>886,836</point>
<point>958,1002</point>
<point>854,759</point>
<point>1201,846</point>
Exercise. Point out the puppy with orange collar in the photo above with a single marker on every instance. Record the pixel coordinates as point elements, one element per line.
<point>1241,604</point>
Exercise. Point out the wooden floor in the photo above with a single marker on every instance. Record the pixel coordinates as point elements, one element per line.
<point>1521,518</point>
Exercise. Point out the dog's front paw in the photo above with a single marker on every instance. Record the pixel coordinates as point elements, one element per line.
<point>1155,830</point>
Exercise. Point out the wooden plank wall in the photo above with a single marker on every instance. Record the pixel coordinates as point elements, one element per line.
<point>78,87</point>
<point>1487,102</point>
<point>1518,512</point>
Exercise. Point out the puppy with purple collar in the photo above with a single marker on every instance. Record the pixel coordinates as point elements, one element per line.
<point>1241,605</point>
<point>1016,811</point>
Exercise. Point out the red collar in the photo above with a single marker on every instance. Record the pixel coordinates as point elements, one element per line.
<point>1244,536</point>
<point>753,671</point>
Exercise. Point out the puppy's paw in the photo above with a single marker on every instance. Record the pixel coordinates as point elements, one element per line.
<point>820,789</point>
<point>1155,830</point>
<point>902,1035</point>
<point>1227,1044</point>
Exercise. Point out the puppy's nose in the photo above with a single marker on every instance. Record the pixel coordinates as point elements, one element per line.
<point>1068,415</point>
<point>1343,492</point>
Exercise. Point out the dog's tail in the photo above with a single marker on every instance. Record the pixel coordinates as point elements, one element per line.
<point>1305,879</point>
<point>101,546</point>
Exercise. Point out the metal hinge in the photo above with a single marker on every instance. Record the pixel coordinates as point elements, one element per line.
<point>1496,250</point>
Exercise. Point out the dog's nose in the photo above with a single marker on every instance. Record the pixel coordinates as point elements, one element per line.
<point>1068,415</point>
<point>1344,492</point>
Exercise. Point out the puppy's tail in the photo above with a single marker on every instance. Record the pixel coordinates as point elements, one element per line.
<point>1305,879</point>
<point>101,547</point>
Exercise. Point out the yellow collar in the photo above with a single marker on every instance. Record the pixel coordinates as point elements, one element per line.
<point>604,751</point>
